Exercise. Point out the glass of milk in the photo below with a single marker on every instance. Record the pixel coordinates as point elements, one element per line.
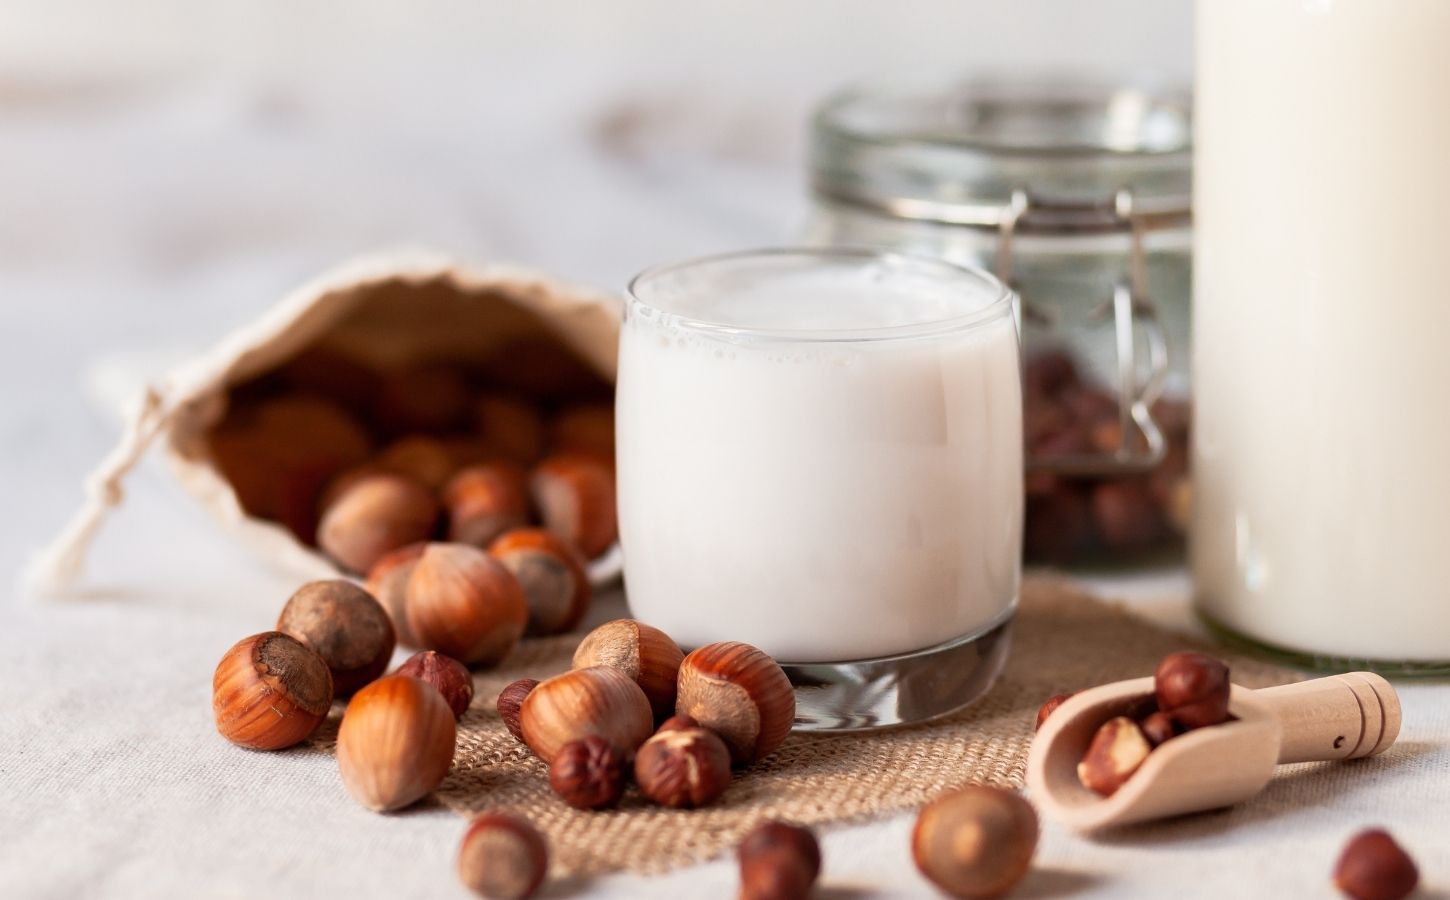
<point>820,453</point>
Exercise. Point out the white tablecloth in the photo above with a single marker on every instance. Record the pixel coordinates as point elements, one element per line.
<point>177,172</point>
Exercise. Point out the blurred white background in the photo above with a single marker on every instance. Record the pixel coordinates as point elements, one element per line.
<point>168,168</point>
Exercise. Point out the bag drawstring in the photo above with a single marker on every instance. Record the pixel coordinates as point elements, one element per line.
<point>57,565</point>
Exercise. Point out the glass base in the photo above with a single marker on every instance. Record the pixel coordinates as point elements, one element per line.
<point>1316,662</point>
<point>899,690</point>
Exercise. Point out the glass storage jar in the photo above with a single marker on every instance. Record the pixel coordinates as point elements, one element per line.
<point>1078,195</point>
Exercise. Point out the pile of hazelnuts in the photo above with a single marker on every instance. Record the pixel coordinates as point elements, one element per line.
<point>1190,691</point>
<point>1070,518</point>
<point>359,461</point>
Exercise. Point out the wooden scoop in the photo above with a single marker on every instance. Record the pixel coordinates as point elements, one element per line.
<point>1339,717</point>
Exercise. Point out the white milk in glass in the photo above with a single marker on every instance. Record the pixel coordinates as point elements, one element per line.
<point>1322,325</point>
<point>830,470</point>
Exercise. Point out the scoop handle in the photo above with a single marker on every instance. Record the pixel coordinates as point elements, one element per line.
<point>1340,717</point>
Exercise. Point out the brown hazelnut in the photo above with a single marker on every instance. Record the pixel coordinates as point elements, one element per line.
<point>574,493</point>
<point>345,626</point>
<point>512,427</point>
<point>463,602</point>
<point>445,673</point>
<point>588,428</point>
<point>778,862</point>
<point>975,842</point>
<point>511,701</point>
<point>432,398</point>
<point>574,705</point>
<point>1193,688</point>
<point>674,722</point>
<point>551,572</point>
<point>682,767</point>
<point>279,454</point>
<point>395,743</point>
<point>643,652</point>
<point>1125,515</point>
<point>502,857</point>
<point>588,773</point>
<point>270,691</point>
<point>1158,727</point>
<point>1117,750</point>
<point>426,460</point>
<point>374,515</point>
<point>484,501</point>
<point>741,694</point>
<point>388,582</point>
<point>1374,867</point>
<point>1049,706</point>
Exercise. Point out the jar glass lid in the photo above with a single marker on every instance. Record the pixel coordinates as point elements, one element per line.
<point>956,153</point>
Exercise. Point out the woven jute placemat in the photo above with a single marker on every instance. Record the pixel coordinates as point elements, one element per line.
<point>1064,640</point>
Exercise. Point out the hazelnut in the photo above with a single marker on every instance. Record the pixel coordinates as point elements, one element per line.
<point>510,701</point>
<point>588,773</point>
<point>741,694</point>
<point>270,691</point>
<point>1117,750</point>
<point>463,602</point>
<point>445,673</point>
<point>502,856</point>
<point>682,766</point>
<point>484,501</point>
<point>423,398</point>
<point>574,493</point>
<point>1048,707</point>
<point>426,460</point>
<point>778,862</point>
<point>373,516</point>
<point>551,572</point>
<point>395,743</point>
<point>644,653</point>
<point>1374,867</point>
<point>574,705</point>
<point>1125,514</point>
<point>588,428</point>
<point>511,426</point>
<point>1193,688</point>
<point>1158,727</point>
<point>388,582</point>
<point>278,455</point>
<point>975,842</point>
<point>344,625</point>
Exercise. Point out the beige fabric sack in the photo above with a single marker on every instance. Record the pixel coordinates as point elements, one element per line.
<point>531,334</point>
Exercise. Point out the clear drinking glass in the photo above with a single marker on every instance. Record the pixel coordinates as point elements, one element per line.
<point>820,453</point>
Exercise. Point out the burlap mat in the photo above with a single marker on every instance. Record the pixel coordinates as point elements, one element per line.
<point>1064,640</point>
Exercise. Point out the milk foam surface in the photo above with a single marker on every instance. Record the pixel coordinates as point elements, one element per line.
<point>821,500</point>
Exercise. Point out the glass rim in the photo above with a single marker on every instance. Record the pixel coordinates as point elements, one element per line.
<point>1000,304</point>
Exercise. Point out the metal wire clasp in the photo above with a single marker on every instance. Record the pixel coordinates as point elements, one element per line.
<point>1141,444</point>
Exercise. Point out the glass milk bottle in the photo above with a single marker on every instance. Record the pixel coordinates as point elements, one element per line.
<point>1321,440</point>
